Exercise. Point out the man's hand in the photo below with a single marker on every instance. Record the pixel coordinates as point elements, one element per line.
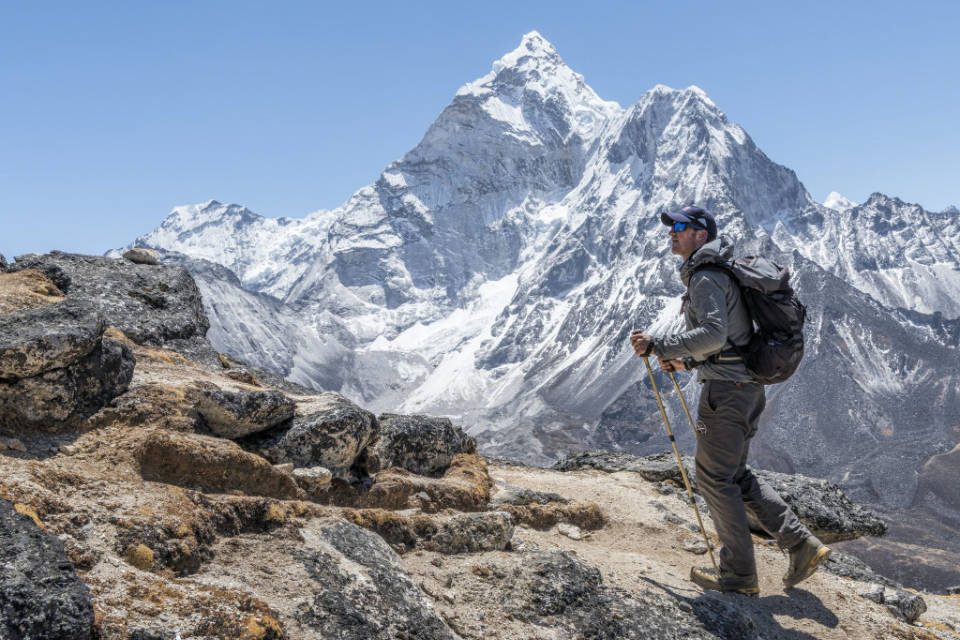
<point>671,365</point>
<point>641,342</point>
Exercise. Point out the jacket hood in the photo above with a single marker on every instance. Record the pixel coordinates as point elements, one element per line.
<point>717,251</point>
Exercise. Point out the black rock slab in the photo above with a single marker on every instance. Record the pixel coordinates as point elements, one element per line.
<point>152,305</point>
<point>56,400</point>
<point>33,341</point>
<point>328,431</point>
<point>382,604</point>
<point>417,443</point>
<point>558,590</point>
<point>41,595</point>
<point>235,414</point>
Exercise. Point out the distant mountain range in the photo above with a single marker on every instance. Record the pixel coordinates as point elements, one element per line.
<point>494,272</point>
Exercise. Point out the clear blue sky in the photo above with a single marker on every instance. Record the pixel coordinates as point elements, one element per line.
<point>113,113</point>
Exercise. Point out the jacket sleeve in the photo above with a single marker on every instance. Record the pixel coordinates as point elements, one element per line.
<point>708,302</point>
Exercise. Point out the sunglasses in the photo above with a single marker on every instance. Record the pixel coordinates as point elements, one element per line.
<point>681,226</point>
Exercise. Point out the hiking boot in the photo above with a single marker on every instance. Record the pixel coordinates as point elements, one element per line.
<point>728,581</point>
<point>804,560</point>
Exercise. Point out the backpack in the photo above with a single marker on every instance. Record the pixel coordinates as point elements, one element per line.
<point>776,346</point>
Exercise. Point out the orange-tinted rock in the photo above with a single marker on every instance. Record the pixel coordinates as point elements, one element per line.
<point>211,464</point>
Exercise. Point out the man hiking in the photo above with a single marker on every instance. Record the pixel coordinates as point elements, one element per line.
<point>731,402</point>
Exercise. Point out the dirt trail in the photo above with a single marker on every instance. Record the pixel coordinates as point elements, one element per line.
<point>638,550</point>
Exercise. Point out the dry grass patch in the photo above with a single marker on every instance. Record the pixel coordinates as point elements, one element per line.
<point>27,289</point>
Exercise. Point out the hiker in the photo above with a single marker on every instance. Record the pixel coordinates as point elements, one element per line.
<point>731,402</point>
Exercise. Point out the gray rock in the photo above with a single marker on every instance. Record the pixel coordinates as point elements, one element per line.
<point>152,305</point>
<point>421,444</point>
<point>33,341</point>
<point>820,504</point>
<point>474,532</point>
<point>328,430</point>
<point>570,531</point>
<point>379,602</point>
<point>3,263</point>
<point>823,507</point>
<point>555,586</point>
<point>313,480</point>
<point>520,496</point>
<point>874,592</point>
<point>235,414</point>
<point>41,595</point>
<point>655,468</point>
<point>847,566</point>
<point>901,603</point>
<point>58,399</point>
<point>695,546</point>
<point>140,255</point>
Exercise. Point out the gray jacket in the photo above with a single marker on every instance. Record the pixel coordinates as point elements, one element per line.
<point>715,315</point>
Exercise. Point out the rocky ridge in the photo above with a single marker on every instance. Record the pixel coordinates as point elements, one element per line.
<point>162,514</point>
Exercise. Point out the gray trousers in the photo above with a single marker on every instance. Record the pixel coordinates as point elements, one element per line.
<point>727,418</point>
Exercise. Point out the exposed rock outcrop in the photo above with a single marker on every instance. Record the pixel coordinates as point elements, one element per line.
<point>153,305</point>
<point>421,444</point>
<point>473,532</point>
<point>376,602</point>
<point>41,595</point>
<point>57,368</point>
<point>235,414</point>
<point>211,464</point>
<point>34,341</point>
<point>572,594</point>
<point>328,430</point>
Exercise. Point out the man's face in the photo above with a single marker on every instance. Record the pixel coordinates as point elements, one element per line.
<point>684,243</point>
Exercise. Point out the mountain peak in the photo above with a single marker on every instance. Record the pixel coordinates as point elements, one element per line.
<point>536,45</point>
<point>838,202</point>
<point>534,70</point>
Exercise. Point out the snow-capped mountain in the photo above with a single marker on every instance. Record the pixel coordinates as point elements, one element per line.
<point>494,272</point>
<point>838,202</point>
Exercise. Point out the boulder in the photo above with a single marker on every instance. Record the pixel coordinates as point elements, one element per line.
<point>33,341</point>
<point>153,305</point>
<point>139,255</point>
<point>213,465</point>
<point>361,593</point>
<point>328,430</point>
<point>559,587</point>
<point>417,443</point>
<point>234,414</point>
<point>41,595</point>
<point>474,532</point>
<point>821,505</point>
<point>59,399</point>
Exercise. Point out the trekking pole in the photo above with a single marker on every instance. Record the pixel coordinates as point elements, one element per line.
<point>683,471</point>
